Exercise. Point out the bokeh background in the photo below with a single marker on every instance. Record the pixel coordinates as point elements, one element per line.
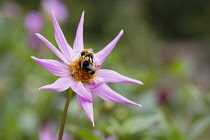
<point>166,45</point>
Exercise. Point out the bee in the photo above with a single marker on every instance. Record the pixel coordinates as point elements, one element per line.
<point>87,66</point>
<point>87,53</point>
<point>87,61</point>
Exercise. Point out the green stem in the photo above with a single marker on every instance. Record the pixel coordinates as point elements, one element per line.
<point>64,114</point>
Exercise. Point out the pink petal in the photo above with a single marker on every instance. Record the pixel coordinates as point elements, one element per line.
<point>113,76</point>
<point>101,55</point>
<point>98,81</point>
<point>107,94</point>
<point>55,67</point>
<point>78,42</point>
<point>59,85</point>
<point>87,107</point>
<point>97,62</point>
<point>79,88</point>
<point>61,40</point>
<point>52,48</point>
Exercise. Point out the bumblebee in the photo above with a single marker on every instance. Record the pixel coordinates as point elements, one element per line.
<point>87,66</point>
<point>87,53</point>
<point>86,62</point>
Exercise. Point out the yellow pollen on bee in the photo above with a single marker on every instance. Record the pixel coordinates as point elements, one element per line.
<point>78,73</point>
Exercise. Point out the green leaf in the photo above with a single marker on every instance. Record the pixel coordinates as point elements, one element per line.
<point>140,123</point>
<point>198,127</point>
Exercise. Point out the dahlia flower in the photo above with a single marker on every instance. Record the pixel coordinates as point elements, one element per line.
<point>83,72</point>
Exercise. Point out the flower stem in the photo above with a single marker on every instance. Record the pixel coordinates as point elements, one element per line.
<point>64,114</point>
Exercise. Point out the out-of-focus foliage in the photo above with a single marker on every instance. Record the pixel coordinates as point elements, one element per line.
<point>165,45</point>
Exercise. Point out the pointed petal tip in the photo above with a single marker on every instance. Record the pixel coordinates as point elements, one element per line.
<point>83,14</point>
<point>140,83</point>
<point>37,34</point>
<point>122,31</point>
<point>82,17</point>
<point>34,58</point>
<point>137,82</point>
<point>93,124</point>
<point>139,105</point>
<point>39,88</point>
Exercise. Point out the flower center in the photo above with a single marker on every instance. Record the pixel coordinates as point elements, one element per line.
<point>83,69</point>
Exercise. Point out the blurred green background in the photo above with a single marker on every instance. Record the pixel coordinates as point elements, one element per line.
<point>166,45</point>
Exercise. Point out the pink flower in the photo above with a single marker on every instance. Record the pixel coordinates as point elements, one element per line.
<point>61,11</point>
<point>34,22</point>
<point>81,71</point>
<point>48,133</point>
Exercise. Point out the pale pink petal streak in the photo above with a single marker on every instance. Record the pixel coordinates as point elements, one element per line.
<point>107,94</point>
<point>98,81</point>
<point>52,48</point>
<point>55,67</point>
<point>60,84</point>
<point>101,55</point>
<point>61,40</point>
<point>87,107</point>
<point>78,42</point>
<point>113,76</point>
<point>79,88</point>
